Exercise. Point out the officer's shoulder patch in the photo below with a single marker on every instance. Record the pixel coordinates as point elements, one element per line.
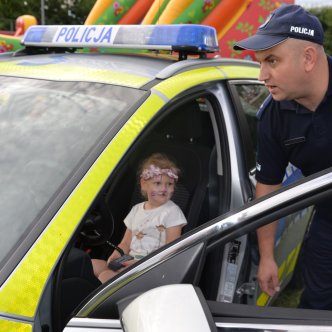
<point>264,106</point>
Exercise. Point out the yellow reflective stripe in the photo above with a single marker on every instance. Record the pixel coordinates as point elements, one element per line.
<point>281,270</point>
<point>292,259</point>
<point>21,293</point>
<point>186,80</point>
<point>10,326</point>
<point>262,299</point>
<point>64,72</point>
<point>244,72</point>
<point>286,268</point>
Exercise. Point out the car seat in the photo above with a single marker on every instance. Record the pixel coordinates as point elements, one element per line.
<point>74,282</point>
<point>186,136</point>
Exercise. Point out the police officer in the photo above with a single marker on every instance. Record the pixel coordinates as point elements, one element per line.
<point>295,125</point>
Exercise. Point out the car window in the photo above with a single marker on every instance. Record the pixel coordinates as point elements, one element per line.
<point>45,129</point>
<point>186,135</point>
<point>248,97</point>
<point>230,270</point>
<point>241,257</point>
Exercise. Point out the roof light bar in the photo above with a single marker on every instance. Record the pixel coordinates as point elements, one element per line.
<point>198,38</point>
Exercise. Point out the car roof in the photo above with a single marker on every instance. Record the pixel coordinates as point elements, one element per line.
<point>128,69</point>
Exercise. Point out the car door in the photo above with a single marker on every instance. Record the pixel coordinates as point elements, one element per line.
<point>223,230</point>
<point>200,131</point>
<point>235,96</point>
<point>247,97</point>
<point>192,131</point>
<point>287,203</point>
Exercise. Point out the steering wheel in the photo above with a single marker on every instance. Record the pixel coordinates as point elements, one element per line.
<point>98,226</point>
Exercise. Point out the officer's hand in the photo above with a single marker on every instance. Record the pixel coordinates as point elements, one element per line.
<point>268,276</point>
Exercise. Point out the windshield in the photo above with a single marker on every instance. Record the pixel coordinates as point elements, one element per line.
<point>46,128</point>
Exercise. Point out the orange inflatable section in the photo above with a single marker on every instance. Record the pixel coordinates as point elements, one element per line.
<point>173,10</point>
<point>136,12</point>
<point>225,14</point>
<point>99,7</point>
<point>23,23</point>
<point>153,13</point>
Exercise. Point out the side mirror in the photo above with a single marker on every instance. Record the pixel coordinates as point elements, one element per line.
<point>176,308</point>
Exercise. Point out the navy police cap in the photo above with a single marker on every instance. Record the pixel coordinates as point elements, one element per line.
<point>287,21</point>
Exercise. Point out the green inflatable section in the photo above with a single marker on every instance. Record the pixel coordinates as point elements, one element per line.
<point>196,12</point>
<point>160,10</point>
<point>8,44</point>
<point>115,12</point>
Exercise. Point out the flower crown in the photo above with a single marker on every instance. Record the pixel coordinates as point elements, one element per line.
<point>152,171</point>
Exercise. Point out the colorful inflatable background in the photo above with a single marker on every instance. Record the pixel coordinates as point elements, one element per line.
<point>10,42</point>
<point>233,19</point>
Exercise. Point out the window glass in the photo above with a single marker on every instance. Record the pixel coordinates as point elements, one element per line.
<point>46,129</point>
<point>251,97</point>
<point>239,267</point>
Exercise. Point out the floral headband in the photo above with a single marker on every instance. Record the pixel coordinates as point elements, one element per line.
<point>152,171</point>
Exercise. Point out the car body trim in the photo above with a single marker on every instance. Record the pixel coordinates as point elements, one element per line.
<point>233,147</point>
<point>222,72</point>
<point>7,324</point>
<point>16,317</point>
<point>160,95</point>
<point>94,322</point>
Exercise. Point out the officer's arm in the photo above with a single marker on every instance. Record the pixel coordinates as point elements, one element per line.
<point>266,234</point>
<point>268,270</point>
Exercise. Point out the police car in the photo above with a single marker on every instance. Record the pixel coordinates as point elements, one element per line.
<point>80,108</point>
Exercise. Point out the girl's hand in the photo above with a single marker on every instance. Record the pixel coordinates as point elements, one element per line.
<point>114,255</point>
<point>129,263</point>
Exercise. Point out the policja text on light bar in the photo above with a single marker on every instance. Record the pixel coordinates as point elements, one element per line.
<point>149,37</point>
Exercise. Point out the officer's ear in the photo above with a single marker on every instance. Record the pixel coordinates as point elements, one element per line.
<point>310,57</point>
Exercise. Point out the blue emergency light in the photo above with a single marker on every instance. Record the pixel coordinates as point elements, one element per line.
<point>175,37</point>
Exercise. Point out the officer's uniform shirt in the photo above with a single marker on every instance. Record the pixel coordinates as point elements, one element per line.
<point>288,132</point>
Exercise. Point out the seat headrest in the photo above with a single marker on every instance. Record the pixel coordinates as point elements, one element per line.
<point>184,123</point>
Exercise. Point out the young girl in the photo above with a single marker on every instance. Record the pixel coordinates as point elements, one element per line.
<point>150,224</point>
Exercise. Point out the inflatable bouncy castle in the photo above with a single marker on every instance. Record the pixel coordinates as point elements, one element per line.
<point>9,42</point>
<point>233,19</point>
